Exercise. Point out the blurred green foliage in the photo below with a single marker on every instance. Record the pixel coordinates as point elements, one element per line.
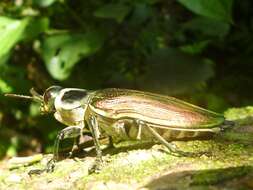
<point>199,50</point>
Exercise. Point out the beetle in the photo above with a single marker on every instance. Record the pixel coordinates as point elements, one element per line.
<point>124,114</point>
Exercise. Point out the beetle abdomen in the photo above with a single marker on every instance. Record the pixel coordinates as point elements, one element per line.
<point>153,108</point>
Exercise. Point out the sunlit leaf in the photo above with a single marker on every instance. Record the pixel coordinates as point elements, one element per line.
<point>44,3</point>
<point>4,87</point>
<point>10,33</point>
<point>35,27</point>
<point>62,52</point>
<point>216,9</point>
<point>113,11</point>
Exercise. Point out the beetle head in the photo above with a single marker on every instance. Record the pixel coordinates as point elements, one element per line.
<point>47,105</point>
<point>46,100</point>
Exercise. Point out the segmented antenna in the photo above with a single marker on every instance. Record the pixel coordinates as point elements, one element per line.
<point>35,96</point>
<point>18,96</point>
<point>34,93</point>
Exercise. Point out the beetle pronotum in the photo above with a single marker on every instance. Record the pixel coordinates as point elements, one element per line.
<point>124,115</point>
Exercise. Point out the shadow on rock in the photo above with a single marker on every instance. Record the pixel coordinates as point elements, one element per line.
<point>228,178</point>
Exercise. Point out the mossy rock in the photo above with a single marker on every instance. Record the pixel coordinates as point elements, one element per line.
<point>144,166</point>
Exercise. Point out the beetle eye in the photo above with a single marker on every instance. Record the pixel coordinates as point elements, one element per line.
<point>50,95</point>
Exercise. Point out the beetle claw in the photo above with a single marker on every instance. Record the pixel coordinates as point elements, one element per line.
<point>36,172</point>
<point>96,167</point>
<point>50,166</point>
<point>194,154</point>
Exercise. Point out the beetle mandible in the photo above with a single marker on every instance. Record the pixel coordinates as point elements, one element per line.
<point>126,115</point>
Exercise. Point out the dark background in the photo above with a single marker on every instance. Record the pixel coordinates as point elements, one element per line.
<point>200,51</point>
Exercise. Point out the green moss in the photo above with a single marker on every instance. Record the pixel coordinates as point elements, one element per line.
<point>133,166</point>
<point>239,137</point>
<point>230,156</point>
<point>210,177</point>
<point>239,113</point>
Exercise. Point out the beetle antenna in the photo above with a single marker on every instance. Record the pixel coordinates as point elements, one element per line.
<point>34,93</point>
<point>18,96</point>
<point>35,96</point>
<point>37,99</point>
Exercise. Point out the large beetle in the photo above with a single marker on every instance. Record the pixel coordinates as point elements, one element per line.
<point>124,115</point>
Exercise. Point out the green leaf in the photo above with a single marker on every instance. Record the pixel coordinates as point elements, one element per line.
<point>35,27</point>
<point>4,87</point>
<point>61,52</point>
<point>113,11</point>
<point>208,27</point>
<point>215,9</point>
<point>13,79</point>
<point>141,13</point>
<point>195,48</point>
<point>10,33</point>
<point>44,3</point>
<point>4,59</point>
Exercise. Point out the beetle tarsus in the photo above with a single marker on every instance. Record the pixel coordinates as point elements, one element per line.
<point>191,154</point>
<point>49,168</point>
<point>94,128</point>
<point>50,165</point>
<point>96,166</point>
<point>36,172</point>
<point>227,125</point>
<point>110,144</point>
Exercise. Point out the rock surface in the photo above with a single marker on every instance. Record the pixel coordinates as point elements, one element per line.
<point>142,166</point>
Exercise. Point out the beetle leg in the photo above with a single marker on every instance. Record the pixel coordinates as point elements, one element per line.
<point>170,146</point>
<point>139,132</point>
<point>110,144</point>
<point>74,147</point>
<point>68,132</point>
<point>93,126</point>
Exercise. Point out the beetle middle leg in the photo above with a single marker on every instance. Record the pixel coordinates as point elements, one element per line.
<point>94,128</point>
<point>170,146</point>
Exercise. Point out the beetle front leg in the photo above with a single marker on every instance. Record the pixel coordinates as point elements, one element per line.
<point>68,132</point>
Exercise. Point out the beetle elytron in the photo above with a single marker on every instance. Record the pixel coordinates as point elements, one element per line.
<point>124,115</point>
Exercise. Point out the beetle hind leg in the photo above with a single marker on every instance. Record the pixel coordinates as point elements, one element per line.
<point>170,146</point>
